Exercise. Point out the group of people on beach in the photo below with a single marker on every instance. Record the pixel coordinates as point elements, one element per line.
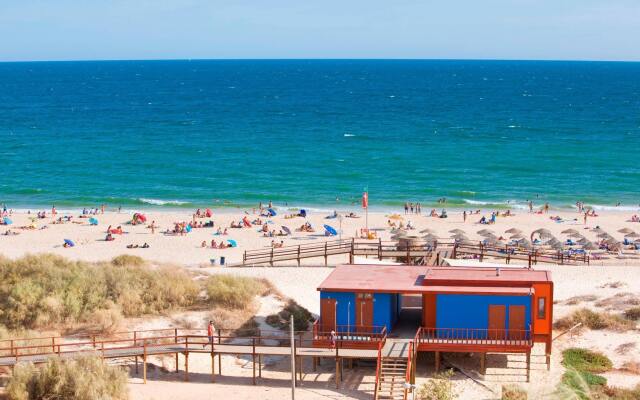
<point>412,208</point>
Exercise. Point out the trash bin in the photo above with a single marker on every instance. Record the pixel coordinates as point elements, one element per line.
<point>221,260</point>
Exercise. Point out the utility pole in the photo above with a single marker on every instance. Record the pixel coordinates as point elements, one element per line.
<point>293,362</point>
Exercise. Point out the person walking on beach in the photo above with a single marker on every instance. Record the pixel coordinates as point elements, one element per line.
<point>530,206</point>
<point>586,214</point>
<point>464,216</point>
<point>211,330</point>
<point>406,208</point>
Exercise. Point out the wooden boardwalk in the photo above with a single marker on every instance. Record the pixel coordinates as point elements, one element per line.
<point>139,345</point>
<point>421,253</point>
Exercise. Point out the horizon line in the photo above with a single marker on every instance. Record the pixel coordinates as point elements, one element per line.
<point>319,59</point>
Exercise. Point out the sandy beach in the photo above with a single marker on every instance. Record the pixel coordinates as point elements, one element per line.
<point>602,280</point>
<point>187,249</point>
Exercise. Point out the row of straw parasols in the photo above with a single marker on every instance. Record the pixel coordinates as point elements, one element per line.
<point>544,236</point>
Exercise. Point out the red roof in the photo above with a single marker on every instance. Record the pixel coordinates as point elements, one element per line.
<point>420,279</point>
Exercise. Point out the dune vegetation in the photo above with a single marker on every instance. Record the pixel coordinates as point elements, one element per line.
<point>84,378</point>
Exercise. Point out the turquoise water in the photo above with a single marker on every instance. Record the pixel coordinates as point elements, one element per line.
<point>192,133</point>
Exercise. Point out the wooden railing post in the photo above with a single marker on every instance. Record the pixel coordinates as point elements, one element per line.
<point>271,261</point>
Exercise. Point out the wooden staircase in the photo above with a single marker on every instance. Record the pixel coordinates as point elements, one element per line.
<point>391,378</point>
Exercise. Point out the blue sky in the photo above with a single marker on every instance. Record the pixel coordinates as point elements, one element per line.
<point>161,29</point>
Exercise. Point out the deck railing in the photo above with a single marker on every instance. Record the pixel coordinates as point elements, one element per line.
<point>349,336</point>
<point>469,336</point>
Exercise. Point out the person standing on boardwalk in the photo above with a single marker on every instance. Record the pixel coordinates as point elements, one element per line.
<point>211,330</point>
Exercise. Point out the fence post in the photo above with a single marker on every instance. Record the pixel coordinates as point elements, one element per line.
<point>326,263</point>
<point>298,255</point>
<point>53,344</point>
<point>271,261</point>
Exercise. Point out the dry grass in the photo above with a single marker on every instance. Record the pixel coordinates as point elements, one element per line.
<point>513,392</point>
<point>632,367</point>
<point>632,313</point>
<point>49,291</point>
<point>235,292</point>
<point>81,379</point>
<point>625,348</point>
<point>579,299</point>
<point>619,301</point>
<point>594,320</point>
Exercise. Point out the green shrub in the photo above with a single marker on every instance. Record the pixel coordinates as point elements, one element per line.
<point>513,392</point>
<point>46,290</point>
<point>438,388</point>
<point>86,378</point>
<point>580,385</point>
<point>282,320</point>
<point>235,292</point>
<point>632,314</point>
<point>586,360</point>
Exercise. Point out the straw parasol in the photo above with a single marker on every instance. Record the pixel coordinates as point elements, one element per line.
<point>604,235</point>
<point>583,241</point>
<point>486,232</point>
<point>517,236</point>
<point>577,235</point>
<point>428,230</point>
<point>625,230</point>
<point>556,246</point>
<point>570,232</point>
<point>458,231</point>
<point>597,229</point>
<point>542,233</point>
<point>514,231</point>
<point>460,236</point>
<point>589,246</point>
<point>399,235</point>
<point>632,235</point>
<point>430,238</point>
<point>525,243</point>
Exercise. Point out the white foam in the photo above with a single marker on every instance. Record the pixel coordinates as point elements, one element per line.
<point>158,202</point>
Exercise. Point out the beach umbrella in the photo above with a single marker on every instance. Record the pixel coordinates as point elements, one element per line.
<point>576,235</point>
<point>603,235</point>
<point>570,232</point>
<point>542,233</point>
<point>69,242</point>
<point>286,230</point>
<point>7,221</point>
<point>460,236</point>
<point>556,246</point>
<point>517,236</point>
<point>597,229</point>
<point>428,230</point>
<point>399,236</point>
<point>232,243</point>
<point>632,235</point>
<point>514,231</point>
<point>625,230</point>
<point>582,241</point>
<point>272,212</point>
<point>589,246</point>
<point>330,230</point>
<point>430,237</point>
<point>303,213</point>
<point>485,232</point>
<point>93,221</point>
<point>457,231</point>
<point>524,242</point>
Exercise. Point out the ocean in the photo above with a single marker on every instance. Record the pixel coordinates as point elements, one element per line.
<point>316,133</point>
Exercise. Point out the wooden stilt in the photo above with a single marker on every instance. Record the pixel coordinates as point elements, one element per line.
<point>437,361</point>
<point>337,373</point>
<point>315,363</point>
<point>213,367</point>
<point>219,364</point>
<point>186,366</point>
<point>300,367</point>
<point>528,365</point>
<point>341,369</point>
<point>259,365</point>
<point>136,365</point>
<point>483,363</point>
<point>177,366</point>
<point>144,368</point>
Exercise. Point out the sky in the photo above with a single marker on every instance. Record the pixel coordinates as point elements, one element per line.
<point>32,30</point>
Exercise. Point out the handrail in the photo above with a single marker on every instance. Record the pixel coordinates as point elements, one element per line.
<point>473,336</point>
<point>409,367</point>
<point>378,366</point>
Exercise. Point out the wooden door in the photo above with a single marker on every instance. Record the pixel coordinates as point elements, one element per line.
<point>327,315</point>
<point>517,322</point>
<point>364,312</point>
<point>497,321</point>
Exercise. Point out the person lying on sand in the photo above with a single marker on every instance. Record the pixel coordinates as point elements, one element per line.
<point>135,246</point>
<point>351,215</point>
<point>109,237</point>
<point>214,245</point>
<point>9,232</point>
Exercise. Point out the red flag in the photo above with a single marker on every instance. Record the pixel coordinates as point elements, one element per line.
<point>365,200</point>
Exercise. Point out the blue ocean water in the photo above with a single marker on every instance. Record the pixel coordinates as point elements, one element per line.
<point>317,132</point>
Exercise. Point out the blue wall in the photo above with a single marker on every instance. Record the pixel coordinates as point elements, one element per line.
<point>385,308</point>
<point>472,311</point>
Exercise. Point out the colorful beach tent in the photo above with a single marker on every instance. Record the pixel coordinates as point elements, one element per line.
<point>232,243</point>
<point>303,213</point>
<point>330,230</point>
<point>69,242</point>
<point>286,230</point>
<point>272,212</point>
<point>7,221</point>
<point>93,221</point>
